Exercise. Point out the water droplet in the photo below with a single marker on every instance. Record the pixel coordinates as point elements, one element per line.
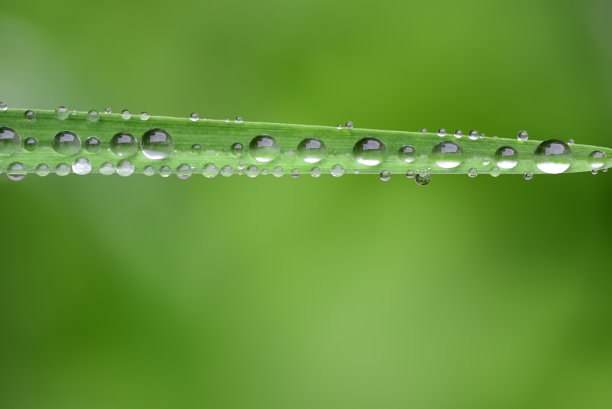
<point>495,171</point>
<point>422,179</point>
<point>528,176</point>
<point>62,170</point>
<point>93,116</point>
<point>125,168</point>
<point>66,143</point>
<point>148,171</point>
<point>278,172</point>
<point>157,144</point>
<point>30,144</point>
<point>473,135</point>
<point>42,170</point>
<point>237,149</point>
<point>407,153</point>
<point>124,144</point>
<point>264,148</point>
<point>594,171</point>
<point>472,173</point>
<point>348,125</point>
<point>604,170</point>
<point>447,154</point>
<point>108,110</point>
<point>570,142</point>
<point>312,150</point>
<point>506,157</point>
<point>93,145</point>
<point>442,132</point>
<point>385,175</point>
<point>410,174</point>
<point>339,126</point>
<point>315,172</point>
<point>369,151</point>
<point>3,106</point>
<point>239,119</point>
<point>227,171</point>
<point>10,141</point>
<point>165,171</point>
<point>597,159</point>
<point>337,171</point>
<point>196,149</point>
<point>522,136</point>
<point>423,130</point>
<point>553,156</point>
<point>30,115</point>
<point>81,166</point>
<point>295,173</point>
<point>145,116</point>
<point>16,171</point>
<point>107,169</point>
<point>194,116</point>
<point>183,171</point>
<point>210,171</point>
<point>486,161</point>
<point>126,114</point>
<point>458,133</point>
<point>241,165</point>
<point>228,120</point>
<point>61,113</point>
<point>252,171</point>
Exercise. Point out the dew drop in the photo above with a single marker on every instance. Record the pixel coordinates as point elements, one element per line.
<point>93,116</point>
<point>594,171</point>
<point>522,136</point>
<point>472,173</point>
<point>196,149</point>
<point>194,116</point>
<point>385,175</point>
<point>93,145</point>
<point>473,135</point>
<point>165,171</point>
<point>528,176</point>
<point>108,110</point>
<point>157,144</point>
<point>597,159</point>
<point>239,120</point>
<point>125,168</point>
<point>278,172</point>
<point>604,170</point>
<point>486,161</point>
<point>10,141</point>
<point>369,151</point>
<point>315,172</point>
<point>441,132</point>
<point>29,115</point>
<point>495,171</point>
<point>66,143</point>
<point>16,171</point>
<point>506,157</point>
<point>241,165</point>
<point>264,148</point>
<point>107,169</point>
<point>81,166</point>
<point>3,106</point>
<point>447,154</point>
<point>349,125</point>
<point>410,174</point>
<point>145,116</point>
<point>553,156</point>
<point>42,170</point>
<point>124,144</point>
<point>337,171</point>
<point>570,142</point>
<point>30,144</point>
<point>252,171</point>
<point>407,153</point>
<point>312,150</point>
<point>339,126</point>
<point>62,170</point>
<point>237,149</point>
<point>422,179</point>
<point>148,171</point>
<point>126,114</point>
<point>61,113</point>
<point>183,171</point>
<point>458,133</point>
<point>295,173</point>
<point>227,171</point>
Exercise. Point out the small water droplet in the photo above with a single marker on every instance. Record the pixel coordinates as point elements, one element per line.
<point>348,125</point>
<point>553,156</point>
<point>196,149</point>
<point>252,171</point>
<point>210,171</point>
<point>227,171</point>
<point>148,170</point>
<point>107,169</point>
<point>93,116</point>
<point>264,148</point>
<point>458,133</point>
<point>93,145</point>
<point>473,172</point>
<point>337,171</point>
<point>30,144</point>
<point>3,106</point>
<point>29,115</point>
<point>81,166</point>
<point>61,113</point>
<point>126,114</point>
<point>124,144</point>
<point>278,172</point>
<point>447,154</point>
<point>183,171</point>
<point>156,144</point>
<point>570,142</point>
<point>407,153</point>
<point>369,151</point>
<point>194,116</point>
<point>522,136</point>
<point>312,150</point>
<point>473,135</point>
<point>422,179</point>
<point>66,143</point>
<point>604,170</point>
<point>441,132</point>
<point>597,159</point>
<point>315,172</point>
<point>237,149</point>
<point>62,170</point>
<point>423,130</point>
<point>486,161</point>
<point>339,126</point>
<point>239,120</point>
<point>506,157</point>
<point>108,110</point>
<point>241,165</point>
<point>295,173</point>
<point>528,176</point>
<point>594,171</point>
<point>10,141</point>
<point>145,116</point>
<point>165,171</point>
<point>125,168</point>
<point>410,174</point>
<point>42,170</point>
<point>16,171</point>
<point>495,171</point>
<point>385,175</point>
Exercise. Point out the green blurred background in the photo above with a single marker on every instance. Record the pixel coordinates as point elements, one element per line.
<point>311,293</point>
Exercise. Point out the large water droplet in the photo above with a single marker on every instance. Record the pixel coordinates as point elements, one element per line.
<point>10,141</point>
<point>553,156</point>
<point>422,179</point>
<point>264,148</point>
<point>407,153</point>
<point>597,159</point>
<point>81,166</point>
<point>125,168</point>
<point>369,151</point>
<point>124,144</point>
<point>66,143</point>
<point>506,157</point>
<point>16,171</point>
<point>93,145</point>
<point>447,154</point>
<point>157,144</point>
<point>312,150</point>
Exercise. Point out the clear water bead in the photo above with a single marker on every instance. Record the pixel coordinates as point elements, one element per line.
<point>594,171</point>
<point>369,151</point>
<point>458,133</point>
<point>42,170</point>
<point>145,116</point>
<point>473,135</point>
<point>126,114</point>
<point>108,110</point>
<point>295,173</point>
<point>93,116</point>
<point>29,115</point>
<point>62,113</point>
<point>528,176</point>
<point>227,171</point>
<point>337,171</point>
<point>239,120</point>
<point>553,156</point>
<point>237,149</point>
<point>252,171</point>
<point>278,172</point>
<point>183,171</point>
<point>315,172</point>
<point>348,125</point>
<point>165,171</point>
<point>264,148</point>
<point>410,174</point>
<point>93,145</point>
<point>124,144</point>
<point>407,153</point>
<point>156,144</point>
<point>447,154</point>
<point>107,169</point>
<point>473,172</point>
<point>194,116</point>
<point>441,132</point>
<point>148,170</point>
<point>385,175</point>
<point>3,106</point>
<point>62,170</point>
<point>422,179</point>
<point>506,157</point>
<point>10,141</point>
<point>66,143</point>
<point>16,171</point>
<point>81,166</point>
<point>495,171</point>
<point>125,168</point>
<point>597,159</point>
<point>522,136</point>
<point>312,150</point>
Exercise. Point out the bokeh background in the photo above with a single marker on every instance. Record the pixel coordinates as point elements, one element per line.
<point>311,293</point>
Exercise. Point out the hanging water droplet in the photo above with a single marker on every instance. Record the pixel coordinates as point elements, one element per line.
<point>62,170</point>
<point>315,172</point>
<point>81,166</point>
<point>108,110</point>
<point>553,156</point>
<point>125,168</point>
<point>93,145</point>
<point>227,171</point>
<point>194,116</point>
<point>278,172</point>
<point>42,170</point>
<point>237,149</point>
<point>337,171</point>
<point>295,173</point>
<point>458,133</point>
<point>107,169</point>
<point>528,176</point>
<point>410,174</point>
<point>10,141</point>
<point>264,148</point>
<point>473,135</point>
<point>93,116</point>
<point>597,159</point>
<point>407,153</point>
<point>348,125</point>
<point>447,154</point>
<point>156,144</point>
<point>16,171</point>
<point>385,175</point>
<point>506,157</point>
<point>441,132</point>
<point>30,115</point>
<point>183,171</point>
<point>61,113</point>
<point>124,144</point>
<point>148,170</point>
<point>3,106</point>
<point>495,171</point>
<point>210,171</point>
<point>422,179</point>
<point>604,170</point>
<point>165,171</point>
<point>239,120</point>
<point>312,150</point>
<point>473,172</point>
<point>369,151</point>
<point>145,116</point>
<point>594,171</point>
<point>522,136</point>
<point>126,114</point>
<point>66,143</point>
<point>252,171</point>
